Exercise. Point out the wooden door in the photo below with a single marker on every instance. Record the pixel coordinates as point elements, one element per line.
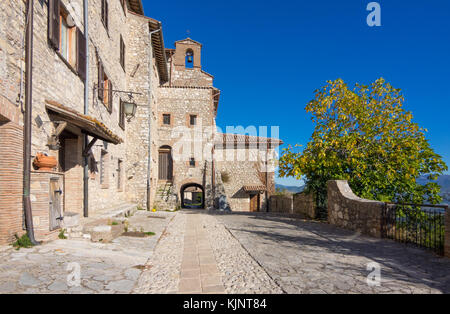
<point>55,203</point>
<point>254,202</point>
<point>165,166</point>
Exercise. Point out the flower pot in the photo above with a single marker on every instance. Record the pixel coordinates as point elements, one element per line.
<point>44,163</point>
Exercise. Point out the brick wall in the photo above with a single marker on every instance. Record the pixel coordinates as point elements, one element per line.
<point>11,152</point>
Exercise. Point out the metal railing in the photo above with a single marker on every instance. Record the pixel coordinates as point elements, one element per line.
<point>417,224</point>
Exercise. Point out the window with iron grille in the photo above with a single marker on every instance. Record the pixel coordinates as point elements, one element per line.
<point>166,119</point>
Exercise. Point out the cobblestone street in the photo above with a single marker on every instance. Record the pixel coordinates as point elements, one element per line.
<point>197,252</point>
<point>310,257</point>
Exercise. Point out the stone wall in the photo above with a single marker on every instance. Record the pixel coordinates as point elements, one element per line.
<point>346,210</point>
<point>281,204</point>
<point>242,167</point>
<point>305,204</point>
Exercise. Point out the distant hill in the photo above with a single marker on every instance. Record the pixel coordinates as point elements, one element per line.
<point>444,182</point>
<point>291,189</point>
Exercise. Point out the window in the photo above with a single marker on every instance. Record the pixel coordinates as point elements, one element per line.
<point>166,119</point>
<point>65,38</point>
<point>122,53</point>
<point>193,119</point>
<point>189,58</point>
<point>119,174</point>
<point>68,40</point>
<point>105,88</point>
<point>192,163</point>
<point>103,169</point>
<point>104,13</point>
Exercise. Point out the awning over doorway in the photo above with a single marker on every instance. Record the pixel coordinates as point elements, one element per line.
<point>87,124</point>
<point>254,188</point>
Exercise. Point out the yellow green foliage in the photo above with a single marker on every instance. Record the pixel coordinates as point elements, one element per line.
<point>364,135</point>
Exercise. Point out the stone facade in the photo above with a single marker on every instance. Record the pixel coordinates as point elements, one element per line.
<point>118,162</point>
<point>348,211</point>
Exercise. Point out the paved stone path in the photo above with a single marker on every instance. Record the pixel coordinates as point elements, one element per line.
<point>104,268</point>
<point>310,257</point>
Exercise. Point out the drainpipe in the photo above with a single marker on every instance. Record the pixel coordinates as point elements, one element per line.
<point>150,74</point>
<point>86,112</point>
<point>27,123</point>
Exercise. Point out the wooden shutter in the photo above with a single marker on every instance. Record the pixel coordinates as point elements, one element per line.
<point>122,53</point>
<point>81,57</point>
<point>53,22</point>
<point>100,89</point>
<point>106,14</point>
<point>121,115</point>
<point>110,96</point>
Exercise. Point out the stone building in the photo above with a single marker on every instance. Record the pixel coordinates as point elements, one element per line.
<point>106,160</point>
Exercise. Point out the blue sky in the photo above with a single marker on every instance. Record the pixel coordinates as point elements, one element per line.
<point>269,56</point>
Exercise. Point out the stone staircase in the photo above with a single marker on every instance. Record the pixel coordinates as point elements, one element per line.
<point>102,226</point>
<point>166,197</point>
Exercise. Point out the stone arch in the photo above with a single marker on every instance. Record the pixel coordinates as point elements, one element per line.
<point>195,189</point>
<point>189,58</point>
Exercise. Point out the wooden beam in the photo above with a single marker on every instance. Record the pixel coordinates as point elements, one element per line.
<point>88,148</point>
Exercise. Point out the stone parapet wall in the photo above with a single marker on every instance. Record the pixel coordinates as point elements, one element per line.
<point>281,204</point>
<point>305,204</point>
<point>346,210</point>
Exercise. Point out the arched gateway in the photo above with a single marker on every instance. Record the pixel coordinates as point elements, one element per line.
<point>192,196</point>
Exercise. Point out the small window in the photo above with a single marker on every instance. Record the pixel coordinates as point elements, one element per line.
<point>192,162</point>
<point>166,119</point>
<point>193,119</point>
<point>124,4</point>
<point>104,13</point>
<point>67,39</point>
<point>105,88</point>
<point>119,174</point>
<point>122,53</point>
<point>189,59</point>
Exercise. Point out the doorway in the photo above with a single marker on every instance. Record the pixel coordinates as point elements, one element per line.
<point>254,202</point>
<point>192,196</point>
<point>165,164</point>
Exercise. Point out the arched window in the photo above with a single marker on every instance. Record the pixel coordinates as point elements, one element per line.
<point>189,58</point>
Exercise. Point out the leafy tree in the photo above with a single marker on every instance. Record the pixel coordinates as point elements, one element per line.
<point>365,136</point>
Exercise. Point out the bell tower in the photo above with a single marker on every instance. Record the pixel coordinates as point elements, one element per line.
<point>188,54</point>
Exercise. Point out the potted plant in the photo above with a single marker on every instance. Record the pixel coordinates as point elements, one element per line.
<point>44,162</point>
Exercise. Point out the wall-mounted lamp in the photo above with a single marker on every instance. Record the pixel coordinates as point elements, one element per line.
<point>129,106</point>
